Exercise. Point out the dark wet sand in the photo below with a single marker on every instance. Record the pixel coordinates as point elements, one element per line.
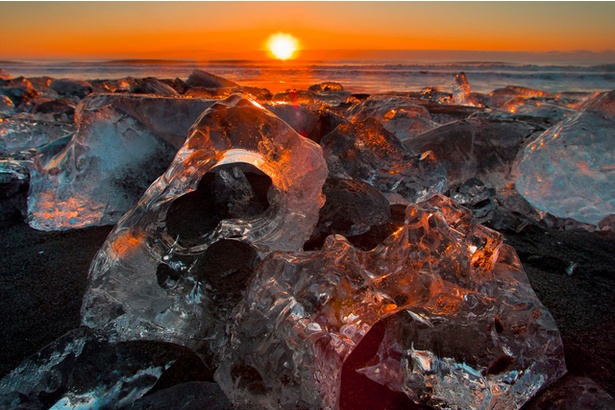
<point>43,277</point>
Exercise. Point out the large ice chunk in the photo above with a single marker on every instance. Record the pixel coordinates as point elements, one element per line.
<point>569,170</point>
<point>482,148</point>
<point>304,314</point>
<point>147,281</point>
<point>123,143</point>
<point>367,152</point>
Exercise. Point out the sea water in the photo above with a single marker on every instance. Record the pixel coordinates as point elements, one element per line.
<point>356,76</point>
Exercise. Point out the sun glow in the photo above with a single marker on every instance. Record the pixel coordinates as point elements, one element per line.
<point>282,46</point>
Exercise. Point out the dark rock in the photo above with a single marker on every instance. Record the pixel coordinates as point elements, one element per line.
<point>14,182</point>
<point>351,208</point>
<point>360,96</point>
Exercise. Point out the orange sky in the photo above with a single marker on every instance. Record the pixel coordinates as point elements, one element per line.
<point>202,30</point>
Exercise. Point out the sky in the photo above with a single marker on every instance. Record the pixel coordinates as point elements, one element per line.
<point>231,30</point>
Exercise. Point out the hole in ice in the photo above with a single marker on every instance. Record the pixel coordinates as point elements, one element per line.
<point>226,266</point>
<point>229,191</point>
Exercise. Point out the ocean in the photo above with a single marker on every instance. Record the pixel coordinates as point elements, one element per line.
<point>355,76</point>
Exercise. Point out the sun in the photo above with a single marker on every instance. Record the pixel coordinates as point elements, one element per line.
<point>282,46</point>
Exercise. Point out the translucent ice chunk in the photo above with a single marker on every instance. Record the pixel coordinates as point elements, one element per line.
<point>123,143</point>
<point>365,151</point>
<point>24,131</point>
<point>505,97</point>
<point>471,353</point>
<point>304,313</point>
<point>482,148</point>
<point>145,282</point>
<point>568,171</point>
<point>461,91</point>
<point>82,370</point>
<point>400,115</point>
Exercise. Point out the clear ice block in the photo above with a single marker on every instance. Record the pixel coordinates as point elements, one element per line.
<point>402,116</point>
<point>81,370</point>
<point>122,144</point>
<point>484,148</point>
<point>144,282</point>
<point>367,152</point>
<point>568,171</point>
<point>451,278</point>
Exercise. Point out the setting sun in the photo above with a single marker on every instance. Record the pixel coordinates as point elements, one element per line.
<point>282,46</point>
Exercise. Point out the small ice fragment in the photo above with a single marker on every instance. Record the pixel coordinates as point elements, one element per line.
<point>461,92</point>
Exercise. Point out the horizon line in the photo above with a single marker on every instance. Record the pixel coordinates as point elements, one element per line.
<point>451,56</point>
